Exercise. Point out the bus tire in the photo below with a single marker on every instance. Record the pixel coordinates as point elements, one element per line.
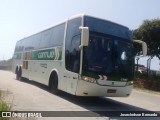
<point>54,84</point>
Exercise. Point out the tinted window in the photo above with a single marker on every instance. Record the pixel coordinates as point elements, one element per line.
<point>45,38</point>
<point>108,56</point>
<point>107,27</point>
<point>48,38</point>
<point>28,44</point>
<point>32,42</point>
<point>53,37</point>
<point>98,55</point>
<point>72,51</point>
<point>19,46</point>
<point>124,58</point>
<point>57,36</point>
<point>36,40</point>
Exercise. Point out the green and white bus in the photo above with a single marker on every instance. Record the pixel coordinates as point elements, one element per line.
<point>83,56</point>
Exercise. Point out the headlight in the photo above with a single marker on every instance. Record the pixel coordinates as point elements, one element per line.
<point>129,83</point>
<point>88,79</point>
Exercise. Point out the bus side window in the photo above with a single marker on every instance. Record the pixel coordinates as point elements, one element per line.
<point>72,52</point>
<point>75,54</point>
<point>57,35</point>
<point>45,39</point>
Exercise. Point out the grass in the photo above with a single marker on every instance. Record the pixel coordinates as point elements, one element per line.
<point>146,90</point>
<point>3,105</point>
<point>146,83</point>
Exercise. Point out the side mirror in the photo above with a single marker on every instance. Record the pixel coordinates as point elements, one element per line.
<point>84,36</point>
<point>144,46</point>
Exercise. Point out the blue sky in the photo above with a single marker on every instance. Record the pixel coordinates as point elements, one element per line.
<point>21,18</point>
<point>155,63</point>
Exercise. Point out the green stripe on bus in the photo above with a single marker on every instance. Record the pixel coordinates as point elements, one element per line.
<point>47,54</point>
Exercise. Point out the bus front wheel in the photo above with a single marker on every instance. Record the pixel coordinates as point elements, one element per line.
<point>54,84</point>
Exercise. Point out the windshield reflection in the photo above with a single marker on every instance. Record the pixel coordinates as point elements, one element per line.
<point>124,60</point>
<point>107,55</point>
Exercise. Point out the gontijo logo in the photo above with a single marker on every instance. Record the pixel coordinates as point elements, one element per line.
<point>46,55</point>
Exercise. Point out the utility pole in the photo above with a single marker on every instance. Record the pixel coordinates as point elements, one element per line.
<point>137,63</point>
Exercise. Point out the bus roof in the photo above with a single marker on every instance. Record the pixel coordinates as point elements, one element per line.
<point>83,15</point>
<point>70,18</point>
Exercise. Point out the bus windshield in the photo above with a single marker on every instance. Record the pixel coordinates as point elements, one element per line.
<point>108,56</point>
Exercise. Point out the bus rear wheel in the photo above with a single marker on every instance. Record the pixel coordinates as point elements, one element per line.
<point>54,84</point>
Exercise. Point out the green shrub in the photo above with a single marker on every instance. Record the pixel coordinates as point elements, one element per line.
<point>143,81</point>
<point>4,106</point>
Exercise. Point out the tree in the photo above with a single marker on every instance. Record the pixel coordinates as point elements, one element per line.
<point>149,32</point>
<point>136,35</point>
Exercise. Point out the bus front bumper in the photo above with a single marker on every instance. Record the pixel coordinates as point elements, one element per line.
<point>92,89</point>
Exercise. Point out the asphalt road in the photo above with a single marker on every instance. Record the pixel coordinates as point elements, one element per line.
<point>31,96</point>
